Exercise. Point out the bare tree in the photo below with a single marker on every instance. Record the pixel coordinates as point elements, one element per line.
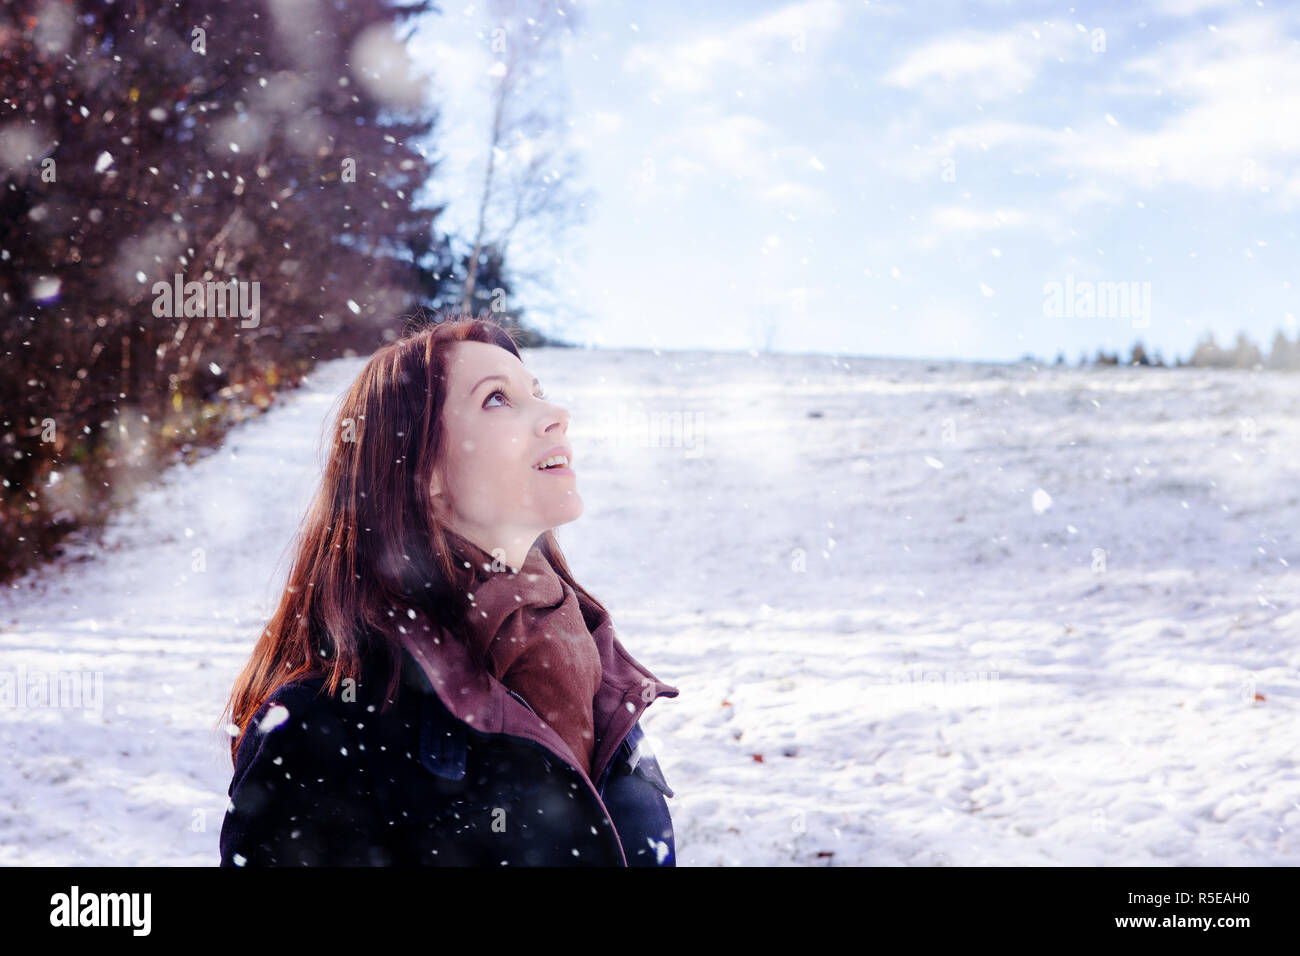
<point>528,189</point>
<point>764,327</point>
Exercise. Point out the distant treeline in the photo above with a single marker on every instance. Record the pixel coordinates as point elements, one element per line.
<point>1284,354</point>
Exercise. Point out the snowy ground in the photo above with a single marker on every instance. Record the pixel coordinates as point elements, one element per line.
<point>968,614</point>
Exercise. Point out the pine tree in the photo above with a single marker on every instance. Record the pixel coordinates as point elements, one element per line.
<point>217,142</point>
<point>1284,353</point>
<point>1246,354</point>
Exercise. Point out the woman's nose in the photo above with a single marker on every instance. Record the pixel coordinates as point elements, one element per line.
<point>559,416</point>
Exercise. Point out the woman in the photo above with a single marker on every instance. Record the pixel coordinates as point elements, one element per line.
<point>435,688</point>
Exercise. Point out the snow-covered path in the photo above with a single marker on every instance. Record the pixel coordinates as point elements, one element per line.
<point>966,614</point>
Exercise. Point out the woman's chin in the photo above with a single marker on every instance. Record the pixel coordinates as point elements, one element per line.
<point>570,511</point>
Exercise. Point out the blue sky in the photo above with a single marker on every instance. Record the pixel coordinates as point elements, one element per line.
<point>906,179</point>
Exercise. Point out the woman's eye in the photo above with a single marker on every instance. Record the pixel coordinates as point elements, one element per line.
<point>541,395</point>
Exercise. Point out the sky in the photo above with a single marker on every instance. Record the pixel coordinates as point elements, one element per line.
<point>927,180</point>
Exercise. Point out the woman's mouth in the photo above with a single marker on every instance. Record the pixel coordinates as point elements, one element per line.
<point>555,465</point>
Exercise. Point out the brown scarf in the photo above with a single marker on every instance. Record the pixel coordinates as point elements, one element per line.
<point>531,626</point>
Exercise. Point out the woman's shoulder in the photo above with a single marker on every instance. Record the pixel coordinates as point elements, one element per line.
<point>291,700</point>
<point>309,695</point>
<point>305,706</point>
<point>301,791</point>
<point>295,716</point>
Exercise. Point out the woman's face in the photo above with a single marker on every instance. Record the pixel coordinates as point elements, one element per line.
<point>496,428</point>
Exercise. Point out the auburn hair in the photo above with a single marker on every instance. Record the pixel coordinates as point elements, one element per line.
<point>370,555</point>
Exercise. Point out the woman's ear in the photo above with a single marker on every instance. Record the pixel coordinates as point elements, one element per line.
<point>437,494</point>
<point>435,478</point>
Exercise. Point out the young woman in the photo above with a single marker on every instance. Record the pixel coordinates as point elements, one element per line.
<point>435,688</point>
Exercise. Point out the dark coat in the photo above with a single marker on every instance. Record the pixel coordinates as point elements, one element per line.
<point>338,783</point>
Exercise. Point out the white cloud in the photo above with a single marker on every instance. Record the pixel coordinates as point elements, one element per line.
<point>1074,198</point>
<point>1243,84</point>
<point>741,52</point>
<point>989,64</point>
<point>681,166</point>
<point>967,222</point>
<point>605,122</point>
<point>1183,8</point>
<point>743,149</point>
<point>775,49</point>
<point>789,193</point>
<point>953,148</point>
<point>1236,87</point>
<point>595,125</point>
<point>731,144</point>
<point>965,219</point>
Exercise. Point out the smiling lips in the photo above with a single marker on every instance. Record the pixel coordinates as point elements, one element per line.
<point>561,469</point>
<point>556,460</point>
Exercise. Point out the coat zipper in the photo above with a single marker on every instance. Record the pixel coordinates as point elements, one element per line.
<point>522,701</point>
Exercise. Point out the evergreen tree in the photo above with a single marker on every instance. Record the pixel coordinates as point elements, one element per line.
<point>1246,354</point>
<point>1207,354</point>
<point>1284,352</point>
<point>253,141</point>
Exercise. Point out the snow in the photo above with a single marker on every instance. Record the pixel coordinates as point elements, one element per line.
<point>879,659</point>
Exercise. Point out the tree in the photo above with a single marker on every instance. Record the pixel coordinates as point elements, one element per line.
<point>764,328</point>
<point>434,264</point>
<point>226,144</point>
<point>494,293</point>
<point>1246,354</point>
<point>1208,354</point>
<point>527,190</point>
<point>1284,352</point>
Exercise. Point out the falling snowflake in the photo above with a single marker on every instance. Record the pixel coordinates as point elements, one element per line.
<point>660,848</point>
<point>277,715</point>
<point>46,288</point>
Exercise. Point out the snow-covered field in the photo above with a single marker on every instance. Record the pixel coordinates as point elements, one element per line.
<point>966,614</point>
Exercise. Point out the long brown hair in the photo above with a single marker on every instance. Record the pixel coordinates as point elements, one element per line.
<point>370,548</point>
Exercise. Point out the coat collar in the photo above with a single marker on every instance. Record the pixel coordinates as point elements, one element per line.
<point>482,702</point>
